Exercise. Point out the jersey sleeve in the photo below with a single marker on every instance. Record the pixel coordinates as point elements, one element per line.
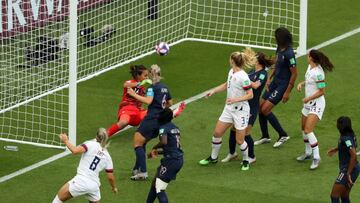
<point>348,143</point>
<point>320,80</point>
<point>86,145</point>
<point>150,92</point>
<point>109,168</point>
<point>245,83</point>
<point>162,131</point>
<point>263,77</point>
<point>290,56</point>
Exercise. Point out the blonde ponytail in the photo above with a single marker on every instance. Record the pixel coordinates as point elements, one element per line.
<point>249,57</point>
<point>102,137</point>
<point>246,58</point>
<point>155,73</point>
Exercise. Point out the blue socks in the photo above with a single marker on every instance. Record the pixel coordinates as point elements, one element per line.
<point>276,125</point>
<point>345,200</point>
<point>232,142</point>
<point>140,163</point>
<point>152,195</point>
<point>274,122</point>
<point>250,142</point>
<point>162,197</point>
<point>248,139</point>
<point>335,199</point>
<point>263,126</point>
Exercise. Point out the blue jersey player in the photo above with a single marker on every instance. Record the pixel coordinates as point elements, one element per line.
<point>348,165</point>
<point>169,135</point>
<point>283,79</point>
<point>158,98</point>
<point>258,78</point>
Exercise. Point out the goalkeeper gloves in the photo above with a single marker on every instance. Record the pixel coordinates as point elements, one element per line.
<point>144,82</point>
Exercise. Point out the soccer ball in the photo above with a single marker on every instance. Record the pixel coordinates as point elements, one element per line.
<point>162,48</point>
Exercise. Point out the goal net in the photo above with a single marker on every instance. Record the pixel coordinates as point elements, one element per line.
<point>34,36</point>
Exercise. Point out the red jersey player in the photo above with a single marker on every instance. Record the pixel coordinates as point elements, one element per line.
<point>130,111</point>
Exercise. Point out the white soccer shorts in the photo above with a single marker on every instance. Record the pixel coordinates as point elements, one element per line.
<point>239,116</point>
<point>81,185</point>
<point>316,107</point>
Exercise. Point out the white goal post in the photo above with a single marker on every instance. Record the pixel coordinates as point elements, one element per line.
<point>47,46</point>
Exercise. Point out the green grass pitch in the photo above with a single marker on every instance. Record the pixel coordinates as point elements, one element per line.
<point>190,69</point>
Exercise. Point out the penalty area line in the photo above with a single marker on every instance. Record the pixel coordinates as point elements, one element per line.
<point>187,101</point>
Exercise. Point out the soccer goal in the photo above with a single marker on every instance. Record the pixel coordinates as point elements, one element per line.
<point>45,44</point>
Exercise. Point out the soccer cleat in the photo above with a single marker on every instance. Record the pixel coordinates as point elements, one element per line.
<point>245,166</point>
<point>315,164</point>
<point>139,176</point>
<point>252,160</point>
<point>281,141</point>
<point>263,140</point>
<point>303,157</point>
<point>208,161</point>
<point>230,157</point>
<point>135,171</point>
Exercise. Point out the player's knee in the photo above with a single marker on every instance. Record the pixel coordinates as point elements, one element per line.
<point>139,140</point>
<point>160,185</point>
<point>217,134</point>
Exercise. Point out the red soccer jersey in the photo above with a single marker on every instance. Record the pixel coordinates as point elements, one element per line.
<point>129,100</point>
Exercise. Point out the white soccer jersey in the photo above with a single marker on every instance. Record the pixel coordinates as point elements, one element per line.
<point>94,160</point>
<point>237,84</point>
<point>314,79</point>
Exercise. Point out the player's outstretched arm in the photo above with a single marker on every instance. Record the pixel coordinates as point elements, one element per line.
<point>74,149</point>
<point>217,89</point>
<point>300,85</point>
<point>147,100</point>
<point>111,179</point>
<point>332,151</point>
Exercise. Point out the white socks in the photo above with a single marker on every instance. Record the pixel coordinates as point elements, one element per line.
<point>244,150</point>
<point>216,145</point>
<point>314,145</point>
<point>308,150</point>
<point>57,200</point>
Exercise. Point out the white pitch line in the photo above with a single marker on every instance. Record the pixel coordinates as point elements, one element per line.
<point>189,100</point>
<point>336,39</point>
<point>34,166</point>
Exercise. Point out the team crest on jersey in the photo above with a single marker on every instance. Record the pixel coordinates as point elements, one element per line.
<point>161,131</point>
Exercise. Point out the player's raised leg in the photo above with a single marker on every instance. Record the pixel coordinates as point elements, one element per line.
<point>63,194</point>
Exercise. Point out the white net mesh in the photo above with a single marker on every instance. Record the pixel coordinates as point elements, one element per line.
<point>249,22</point>
<point>34,47</point>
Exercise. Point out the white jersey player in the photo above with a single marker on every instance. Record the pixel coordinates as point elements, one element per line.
<point>314,80</point>
<point>314,103</point>
<point>236,110</point>
<point>94,159</point>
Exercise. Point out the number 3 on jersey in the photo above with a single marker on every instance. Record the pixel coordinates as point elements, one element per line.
<point>94,163</point>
